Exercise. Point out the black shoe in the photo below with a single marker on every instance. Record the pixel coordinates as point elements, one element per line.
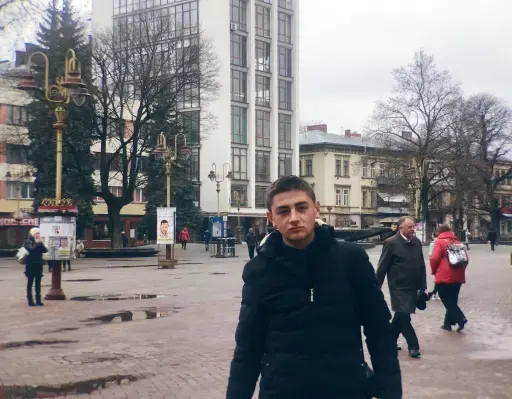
<point>31,302</point>
<point>446,327</point>
<point>398,348</point>
<point>414,353</point>
<point>461,325</point>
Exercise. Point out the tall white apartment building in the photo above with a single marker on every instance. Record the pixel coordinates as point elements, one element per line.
<point>256,111</point>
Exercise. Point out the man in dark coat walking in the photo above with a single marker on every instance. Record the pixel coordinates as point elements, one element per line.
<point>402,261</point>
<point>304,300</point>
<point>251,240</point>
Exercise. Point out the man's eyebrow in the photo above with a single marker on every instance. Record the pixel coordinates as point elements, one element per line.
<point>282,207</point>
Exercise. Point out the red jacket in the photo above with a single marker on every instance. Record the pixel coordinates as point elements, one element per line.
<point>184,236</point>
<point>442,270</point>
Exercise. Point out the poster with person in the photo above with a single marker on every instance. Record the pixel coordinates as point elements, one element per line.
<point>58,234</point>
<point>165,225</point>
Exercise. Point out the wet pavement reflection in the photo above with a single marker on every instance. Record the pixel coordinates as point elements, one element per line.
<point>116,297</point>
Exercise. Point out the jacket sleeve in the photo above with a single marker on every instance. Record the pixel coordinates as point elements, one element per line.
<point>250,339</point>
<point>423,270</point>
<point>374,316</point>
<point>384,262</point>
<point>437,255</point>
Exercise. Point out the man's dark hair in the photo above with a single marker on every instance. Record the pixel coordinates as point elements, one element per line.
<point>443,229</point>
<point>289,183</point>
<point>163,221</point>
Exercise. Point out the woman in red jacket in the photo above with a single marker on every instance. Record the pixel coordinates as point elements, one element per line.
<point>448,279</point>
<point>184,237</point>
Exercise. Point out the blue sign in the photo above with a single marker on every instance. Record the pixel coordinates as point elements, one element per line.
<point>217,227</point>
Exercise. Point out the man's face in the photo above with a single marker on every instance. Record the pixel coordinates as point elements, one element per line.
<point>407,228</point>
<point>64,243</point>
<point>394,227</point>
<point>37,236</point>
<point>293,214</point>
<point>164,227</point>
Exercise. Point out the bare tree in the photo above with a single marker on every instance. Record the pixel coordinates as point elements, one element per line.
<point>487,132</point>
<point>415,122</point>
<point>12,10</point>
<point>151,74</point>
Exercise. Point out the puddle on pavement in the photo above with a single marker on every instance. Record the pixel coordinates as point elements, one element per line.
<point>116,297</point>
<point>83,280</point>
<point>124,266</point>
<point>216,273</point>
<point>131,315</point>
<point>63,329</point>
<point>74,388</point>
<point>21,344</point>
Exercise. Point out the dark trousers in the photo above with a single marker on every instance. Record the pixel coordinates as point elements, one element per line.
<point>64,263</point>
<point>31,279</point>
<point>183,244</point>
<point>401,324</point>
<point>449,294</point>
<point>251,251</point>
<point>493,243</point>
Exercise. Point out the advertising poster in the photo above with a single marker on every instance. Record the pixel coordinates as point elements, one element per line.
<point>165,225</point>
<point>58,234</point>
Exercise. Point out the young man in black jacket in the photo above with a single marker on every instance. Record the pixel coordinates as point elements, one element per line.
<point>304,300</point>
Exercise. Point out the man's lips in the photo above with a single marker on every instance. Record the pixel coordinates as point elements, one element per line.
<point>296,228</point>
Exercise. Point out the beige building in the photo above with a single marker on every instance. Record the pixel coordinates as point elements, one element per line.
<point>350,185</point>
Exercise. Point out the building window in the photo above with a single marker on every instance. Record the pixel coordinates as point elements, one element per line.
<point>263,90</point>
<point>139,196</point>
<point>194,164</point>
<point>368,199</point>
<point>288,4</point>
<point>263,166</point>
<point>262,128</point>
<point>285,165</point>
<point>262,56</point>
<point>285,132</point>
<point>16,153</point>
<point>342,196</point>
<point>238,50</point>
<point>239,86</point>
<point>373,171</point>
<point>260,197</point>
<point>239,163</point>
<point>238,125</point>
<point>188,97</point>
<point>285,61</point>
<point>262,21</point>
<point>239,14</point>
<point>191,126</point>
<point>285,95</point>
<point>337,172</point>
<point>346,168</point>
<point>242,195</point>
<point>16,115</point>
<point>284,28</point>
<point>100,231</point>
<point>365,169</point>
<point>26,190</point>
<point>309,167</point>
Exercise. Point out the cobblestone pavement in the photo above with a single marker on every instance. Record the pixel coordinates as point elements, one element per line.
<point>185,352</point>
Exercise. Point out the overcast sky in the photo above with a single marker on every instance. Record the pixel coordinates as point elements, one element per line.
<point>348,49</point>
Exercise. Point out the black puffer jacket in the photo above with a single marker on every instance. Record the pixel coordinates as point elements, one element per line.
<point>300,324</point>
<point>34,261</point>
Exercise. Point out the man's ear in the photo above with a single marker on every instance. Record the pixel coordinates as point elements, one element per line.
<point>270,218</point>
<point>317,210</point>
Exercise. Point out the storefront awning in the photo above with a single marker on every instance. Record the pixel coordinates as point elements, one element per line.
<point>388,197</point>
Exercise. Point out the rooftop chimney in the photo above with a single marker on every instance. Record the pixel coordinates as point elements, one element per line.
<point>347,133</point>
<point>322,127</point>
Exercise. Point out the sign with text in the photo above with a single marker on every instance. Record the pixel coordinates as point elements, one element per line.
<point>58,234</point>
<point>165,225</point>
<point>23,222</point>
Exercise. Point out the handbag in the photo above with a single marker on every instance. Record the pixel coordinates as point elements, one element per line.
<point>421,300</point>
<point>21,255</point>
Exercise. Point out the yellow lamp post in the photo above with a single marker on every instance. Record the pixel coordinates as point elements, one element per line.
<point>57,96</point>
<point>169,155</point>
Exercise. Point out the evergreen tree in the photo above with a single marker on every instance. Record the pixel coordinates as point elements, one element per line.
<point>60,32</point>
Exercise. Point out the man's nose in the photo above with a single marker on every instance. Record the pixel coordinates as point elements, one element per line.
<point>294,216</point>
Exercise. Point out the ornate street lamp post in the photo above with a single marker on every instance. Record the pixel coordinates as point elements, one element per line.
<point>168,155</point>
<point>239,200</point>
<point>57,96</point>
<point>219,178</point>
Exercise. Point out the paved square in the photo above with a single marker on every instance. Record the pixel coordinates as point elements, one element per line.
<point>179,344</point>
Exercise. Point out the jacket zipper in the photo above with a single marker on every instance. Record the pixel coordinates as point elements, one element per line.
<point>312,294</point>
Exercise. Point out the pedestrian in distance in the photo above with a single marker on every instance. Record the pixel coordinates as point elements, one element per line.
<point>34,265</point>
<point>184,237</point>
<point>251,239</point>
<point>304,300</point>
<point>492,238</point>
<point>448,262</point>
<point>434,293</point>
<point>402,262</point>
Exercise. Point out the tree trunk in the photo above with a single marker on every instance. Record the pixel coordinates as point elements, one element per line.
<point>495,220</point>
<point>114,218</point>
<point>427,229</point>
